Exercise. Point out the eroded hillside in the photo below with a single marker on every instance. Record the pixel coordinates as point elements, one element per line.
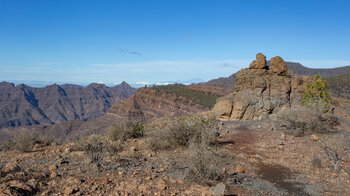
<point>167,100</point>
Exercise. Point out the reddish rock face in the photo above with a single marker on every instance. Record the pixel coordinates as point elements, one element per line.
<point>259,92</point>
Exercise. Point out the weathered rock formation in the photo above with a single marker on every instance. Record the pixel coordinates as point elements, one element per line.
<point>261,90</point>
<point>259,63</point>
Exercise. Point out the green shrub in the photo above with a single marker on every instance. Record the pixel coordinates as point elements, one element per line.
<point>316,94</point>
<point>185,130</point>
<point>125,130</point>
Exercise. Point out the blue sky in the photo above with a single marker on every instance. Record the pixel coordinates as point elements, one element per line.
<point>82,41</point>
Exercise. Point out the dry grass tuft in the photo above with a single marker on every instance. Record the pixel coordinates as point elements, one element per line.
<point>24,141</point>
<point>302,121</point>
<point>182,131</point>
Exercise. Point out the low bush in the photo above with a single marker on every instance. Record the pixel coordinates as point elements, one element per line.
<point>95,146</point>
<point>125,130</point>
<point>114,147</point>
<point>24,141</point>
<point>202,163</point>
<point>182,131</point>
<point>302,121</point>
<point>335,151</point>
<point>44,139</point>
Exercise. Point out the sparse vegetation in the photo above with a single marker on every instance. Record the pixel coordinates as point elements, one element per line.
<point>44,139</point>
<point>197,136</point>
<point>114,147</point>
<point>201,164</point>
<point>24,141</point>
<point>125,130</point>
<point>335,151</point>
<point>197,97</point>
<point>95,146</point>
<point>185,130</point>
<point>317,95</point>
<point>304,121</point>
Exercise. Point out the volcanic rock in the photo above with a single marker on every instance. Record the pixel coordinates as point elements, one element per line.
<point>259,92</point>
<point>278,65</point>
<point>259,63</point>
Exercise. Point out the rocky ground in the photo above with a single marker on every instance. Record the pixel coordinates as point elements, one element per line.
<point>262,162</point>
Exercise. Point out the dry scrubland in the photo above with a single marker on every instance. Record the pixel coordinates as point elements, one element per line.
<point>184,155</point>
<point>295,146</point>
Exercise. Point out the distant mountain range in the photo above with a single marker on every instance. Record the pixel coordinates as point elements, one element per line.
<point>25,105</point>
<point>294,68</point>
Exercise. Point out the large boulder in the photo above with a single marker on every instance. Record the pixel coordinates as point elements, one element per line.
<point>261,92</point>
<point>278,65</point>
<point>259,63</point>
<point>223,108</point>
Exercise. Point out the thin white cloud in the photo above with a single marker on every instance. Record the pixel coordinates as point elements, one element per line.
<point>163,83</point>
<point>143,83</point>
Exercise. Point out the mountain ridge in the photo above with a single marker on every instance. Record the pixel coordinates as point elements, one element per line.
<point>24,105</point>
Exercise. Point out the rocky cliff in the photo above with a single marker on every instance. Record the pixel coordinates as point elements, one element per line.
<point>261,90</point>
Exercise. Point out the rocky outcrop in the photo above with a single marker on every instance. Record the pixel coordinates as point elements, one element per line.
<point>278,65</point>
<point>260,91</point>
<point>259,63</point>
